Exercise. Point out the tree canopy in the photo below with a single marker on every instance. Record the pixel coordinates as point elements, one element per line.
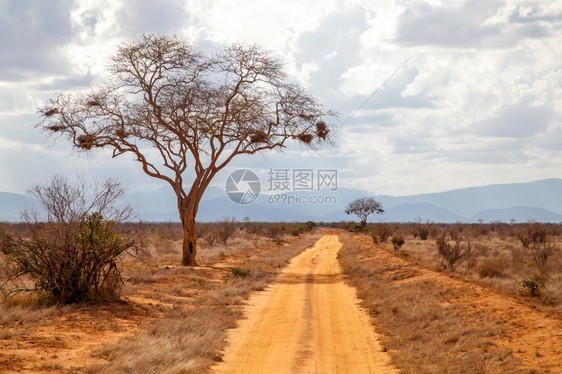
<point>175,108</point>
<point>363,208</point>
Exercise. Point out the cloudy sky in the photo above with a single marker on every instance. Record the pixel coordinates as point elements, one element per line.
<point>479,102</point>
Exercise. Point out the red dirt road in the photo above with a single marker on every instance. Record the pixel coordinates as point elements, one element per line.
<point>307,322</point>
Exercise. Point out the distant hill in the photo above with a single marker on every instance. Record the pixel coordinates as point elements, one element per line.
<point>540,201</point>
<point>425,211</point>
<point>467,202</point>
<point>523,214</point>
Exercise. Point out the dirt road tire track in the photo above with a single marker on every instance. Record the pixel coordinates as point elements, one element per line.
<point>307,322</point>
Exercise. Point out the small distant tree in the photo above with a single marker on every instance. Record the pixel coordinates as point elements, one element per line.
<point>184,115</point>
<point>71,250</point>
<point>225,228</point>
<point>531,234</point>
<point>451,253</point>
<point>421,229</point>
<point>534,237</point>
<point>363,208</point>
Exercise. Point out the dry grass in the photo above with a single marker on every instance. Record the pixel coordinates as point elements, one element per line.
<point>497,260</point>
<point>181,314</point>
<point>162,245</point>
<point>196,312</point>
<point>171,319</point>
<point>422,331</point>
<point>26,311</point>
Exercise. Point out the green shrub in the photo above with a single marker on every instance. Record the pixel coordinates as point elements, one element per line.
<point>532,286</point>
<point>274,231</point>
<point>242,273</point>
<point>256,228</point>
<point>310,225</point>
<point>71,256</point>
<point>351,226</point>
<point>397,242</point>
<point>295,229</point>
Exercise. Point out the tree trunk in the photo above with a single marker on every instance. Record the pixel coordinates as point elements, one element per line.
<point>189,248</point>
<point>363,224</point>
<point>188,206</point>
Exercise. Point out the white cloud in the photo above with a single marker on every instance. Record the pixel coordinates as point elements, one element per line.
<point>481,101</point>
<point>270,23</point>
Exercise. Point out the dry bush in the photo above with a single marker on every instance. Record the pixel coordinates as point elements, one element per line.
<point>422,230</point>
<point>490,268</point>
<point>71,254</point>
<point>538,240</point>
<point>451,253</point>
<point>274,231</point>
<point>217,232</point>
<point>206,231</point>
<point>381,232</point>
<point>534,233</point>
<point>541,253</point>
<point>160,245</point>
<point>225,228</point>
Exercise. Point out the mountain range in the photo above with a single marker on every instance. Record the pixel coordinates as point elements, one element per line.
<point>540,201</point>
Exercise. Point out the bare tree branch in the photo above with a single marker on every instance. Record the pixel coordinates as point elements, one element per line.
<point>195,110</point>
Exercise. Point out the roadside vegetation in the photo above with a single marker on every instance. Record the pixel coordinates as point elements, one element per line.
<point>519,260</point>
<point>176,316</point>
<point>421,333</point>
<point>424,300</point>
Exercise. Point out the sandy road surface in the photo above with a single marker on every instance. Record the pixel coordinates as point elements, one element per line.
<point>307,322</point>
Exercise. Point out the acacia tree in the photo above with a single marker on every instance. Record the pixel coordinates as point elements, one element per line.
<point>176,109</point>
<point>363,208</point>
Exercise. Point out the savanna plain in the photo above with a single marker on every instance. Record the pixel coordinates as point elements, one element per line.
<point>470,298</point>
